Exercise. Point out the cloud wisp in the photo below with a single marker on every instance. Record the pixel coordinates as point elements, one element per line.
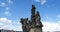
<point>7,13</point>
<point>58,16</point>
<point>41,1</point>
<point>9,25</point>
<point>49,26</point>
<point>37,0</point>
<point>6,6</point>
<point>2,4</point>
<point>10,2</point>
<point>16,26</point>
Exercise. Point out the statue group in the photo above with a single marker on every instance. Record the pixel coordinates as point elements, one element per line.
<point>33,25</point>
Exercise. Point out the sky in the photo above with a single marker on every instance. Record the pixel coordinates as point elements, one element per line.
<point>11,11</point>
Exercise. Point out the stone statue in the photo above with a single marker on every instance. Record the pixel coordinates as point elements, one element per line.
<point>33,25</point>
<point>24,24</point>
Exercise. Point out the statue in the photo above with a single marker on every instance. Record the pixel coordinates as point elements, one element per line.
<point>24,24</point>
<point>33,25</point>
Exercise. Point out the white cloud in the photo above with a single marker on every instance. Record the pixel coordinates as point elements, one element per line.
<point>41,1</point>
<point>5,20</point>
<point>3,4</point>
<point>18,28</point>
<point>10,1</point>
<point>7,24</point>
<point>49,26</point>
<point>10,25</point>
<point>7,13</point>
<point>7,8</point>
<point>47,17</point>
<point>37,0</point>
<point>58,16</point>
<point>1,24</point>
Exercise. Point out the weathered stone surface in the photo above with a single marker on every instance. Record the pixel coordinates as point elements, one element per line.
<point>33,25</point>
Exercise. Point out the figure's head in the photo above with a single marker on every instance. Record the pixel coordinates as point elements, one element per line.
<point>38,12</point>
<point>33,7</point>
<point>21,20</point>
<point>24,21</point>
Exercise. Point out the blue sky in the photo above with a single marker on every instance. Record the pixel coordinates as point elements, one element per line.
<point>12,10</point>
